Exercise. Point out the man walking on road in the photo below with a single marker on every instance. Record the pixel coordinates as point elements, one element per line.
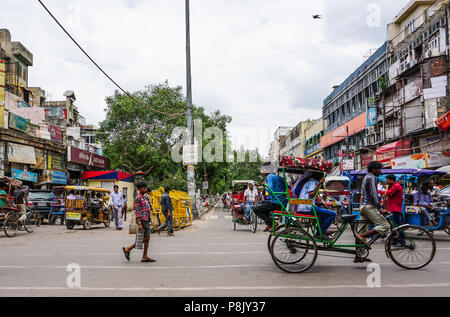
<point>143,208</point>
<point>117,203</point>
<point>167,210</point>
<point>21,198</point>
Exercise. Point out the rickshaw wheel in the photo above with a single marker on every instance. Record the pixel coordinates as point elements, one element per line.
<point>269,239</point>
<point>51,219</point>
<point>107,222</point>
<point>87,224</point>
<point>11,225</point>
<point>30,223</point>
<point>362,253</point>
<point>446,226</point>
<point>70,225</point>
<point>418,250</point>
<point>294,250</point>
<point>234,224</point>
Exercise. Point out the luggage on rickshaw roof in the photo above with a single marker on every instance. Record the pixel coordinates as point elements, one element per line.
<point>294,164</point>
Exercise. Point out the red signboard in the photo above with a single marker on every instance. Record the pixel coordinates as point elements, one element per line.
<point>390,151</point>
<point>82,157</point>
<point>356,125</point>
<point>55,133</point>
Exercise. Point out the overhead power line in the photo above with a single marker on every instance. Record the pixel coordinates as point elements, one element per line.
<point>172,115</point>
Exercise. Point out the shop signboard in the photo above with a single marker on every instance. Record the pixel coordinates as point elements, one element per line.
<point>355,126</point>
<point>18,153</point>
<point>367,158</point>
<point>24,175</point>
<point>83,157</point>
<point>17,123</point>
<point>348,165</point>
<point>438,159</point>
<point>312,150</point>
<point>416,161</point>
<point>55,162</point>
<point>40,160</point>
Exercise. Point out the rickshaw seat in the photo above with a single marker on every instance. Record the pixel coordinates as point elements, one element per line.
<point>285,213</point>
<point>348,218</point>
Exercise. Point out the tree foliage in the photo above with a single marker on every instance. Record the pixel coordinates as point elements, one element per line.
<point>141,140</point>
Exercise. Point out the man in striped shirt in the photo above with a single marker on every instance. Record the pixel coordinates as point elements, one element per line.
<point>142,209</point>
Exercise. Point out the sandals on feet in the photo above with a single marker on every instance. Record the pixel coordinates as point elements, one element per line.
<point>148,260</point>
<point>126,253</point>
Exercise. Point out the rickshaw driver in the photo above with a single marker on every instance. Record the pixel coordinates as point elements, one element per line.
<point>371,207</point>
<point>271,204</point>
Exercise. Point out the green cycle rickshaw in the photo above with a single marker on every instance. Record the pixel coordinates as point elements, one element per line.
<point>294,245</point>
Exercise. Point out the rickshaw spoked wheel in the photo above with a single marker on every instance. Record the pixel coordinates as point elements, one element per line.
<point>417,249</point>
<point>294,250</point>
<point>87,224</point>
<point>11,225</point>
<point>271,235</point>
<point>446,226</point>
<point>30,223</point>
<point>108,221</point>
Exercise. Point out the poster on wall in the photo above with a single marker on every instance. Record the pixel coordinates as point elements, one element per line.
<point>40,160</point>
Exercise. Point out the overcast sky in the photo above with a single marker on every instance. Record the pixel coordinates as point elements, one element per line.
<point>267,63</point>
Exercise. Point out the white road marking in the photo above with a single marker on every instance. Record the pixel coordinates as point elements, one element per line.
<point>214,216</point>
<point>228,217</point>
<point>223,288</point>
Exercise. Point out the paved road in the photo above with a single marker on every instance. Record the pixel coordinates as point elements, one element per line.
<point>207,259</point>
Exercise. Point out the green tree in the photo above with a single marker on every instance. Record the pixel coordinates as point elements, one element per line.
<point>138,139</point>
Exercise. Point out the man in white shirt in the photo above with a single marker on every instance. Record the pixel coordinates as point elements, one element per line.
<point>117,203</point>
<point>250,199</point>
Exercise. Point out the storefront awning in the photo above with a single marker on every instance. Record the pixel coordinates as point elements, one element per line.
<point>109,175</point>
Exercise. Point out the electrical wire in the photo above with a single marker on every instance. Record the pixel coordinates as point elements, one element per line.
<point>173,115</point>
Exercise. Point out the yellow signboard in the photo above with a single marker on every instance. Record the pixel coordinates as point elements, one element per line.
<point>307,202</point>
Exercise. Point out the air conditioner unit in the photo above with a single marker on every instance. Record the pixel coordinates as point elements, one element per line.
<point>370,130</point>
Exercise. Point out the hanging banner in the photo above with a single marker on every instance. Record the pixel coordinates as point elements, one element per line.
<point>18,153</point>
<point>24,175</point>
<point>55,133</point>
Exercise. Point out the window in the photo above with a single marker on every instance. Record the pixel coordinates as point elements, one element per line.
<point>409,27</point>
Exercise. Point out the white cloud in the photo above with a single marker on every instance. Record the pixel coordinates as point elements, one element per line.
<point>143,42</point>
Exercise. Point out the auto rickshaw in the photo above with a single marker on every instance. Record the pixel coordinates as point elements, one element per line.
<point>81,203</point>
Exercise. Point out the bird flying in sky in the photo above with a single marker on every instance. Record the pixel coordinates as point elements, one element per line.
<point>317,16</point>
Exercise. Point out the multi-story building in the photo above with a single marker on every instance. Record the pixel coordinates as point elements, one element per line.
<point>416,92</point>
<point>312,140</point>
<point>346,109</point>
<point>294,142</point>
<point>278,143</point>
<point>33,131</point>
